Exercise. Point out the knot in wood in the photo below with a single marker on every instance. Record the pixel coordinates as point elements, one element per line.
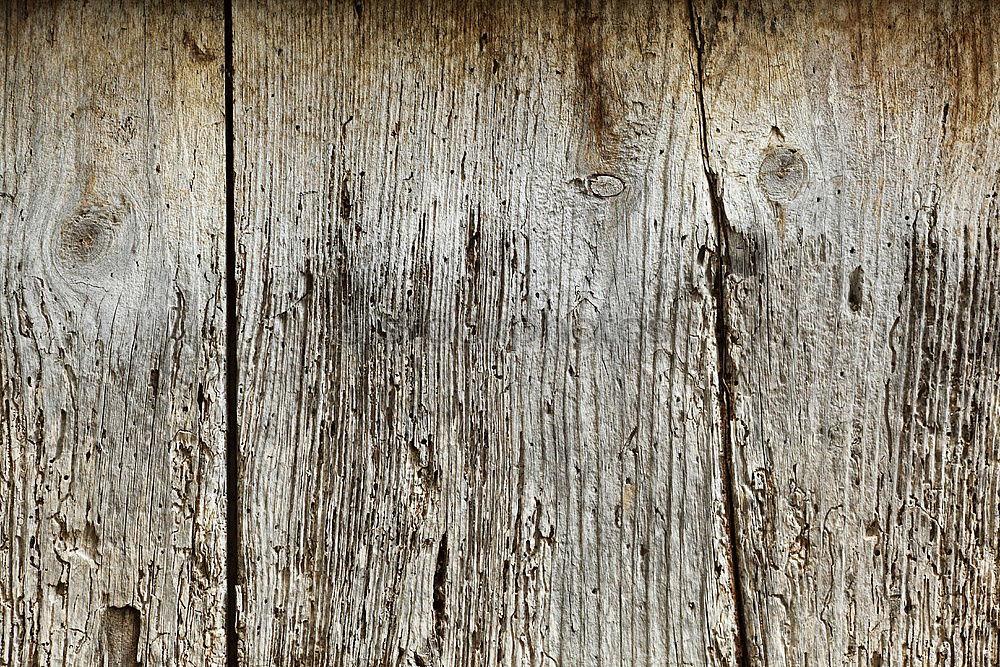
<point>585,322</point>
<point>783,173</point>
<point>605,186</point>
<point>88,235</point>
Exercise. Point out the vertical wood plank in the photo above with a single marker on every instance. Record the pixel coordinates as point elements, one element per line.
<point>112,334</point>
<point>478,391</point>
<point>855,151</point>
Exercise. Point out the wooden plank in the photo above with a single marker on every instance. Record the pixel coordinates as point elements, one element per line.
<point>112,544</point>
<point>478,401</point>
<point>855,151</point>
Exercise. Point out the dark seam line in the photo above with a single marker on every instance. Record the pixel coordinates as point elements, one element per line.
<point>722,327</point>
<point>232,369</point>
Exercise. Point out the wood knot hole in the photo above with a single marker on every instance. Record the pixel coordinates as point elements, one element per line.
<point>783,173</point>
<point>120,636</point>
<point>605,186</point>
<point>856,287</point>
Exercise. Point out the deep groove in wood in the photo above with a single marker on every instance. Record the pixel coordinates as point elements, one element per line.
<point>439,603</point>
<point>724,366</point>
<point>232,369</point>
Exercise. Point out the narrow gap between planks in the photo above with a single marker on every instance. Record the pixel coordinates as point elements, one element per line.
<point>232,369</point>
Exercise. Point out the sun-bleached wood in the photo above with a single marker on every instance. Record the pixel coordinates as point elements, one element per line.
<point>636,333</point>
<point>855,152</point>
<point>112,334</point>
<point>478,403</point>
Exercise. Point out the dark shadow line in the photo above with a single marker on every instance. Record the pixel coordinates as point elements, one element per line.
<point>232,368</point>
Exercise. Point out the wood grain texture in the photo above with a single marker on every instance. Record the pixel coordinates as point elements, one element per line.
<point>478,406</point>
<point>111,334</point>
<point>569,333</point>
<point>855,150</point>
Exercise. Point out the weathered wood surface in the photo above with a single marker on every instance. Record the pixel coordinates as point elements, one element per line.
<point>112,334</point>
<point>628,333</point>
<point>479,413</point>
<point>855,153</point>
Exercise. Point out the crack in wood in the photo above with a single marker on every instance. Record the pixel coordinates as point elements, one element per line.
<point>439,599</point>
<point>725,362</point>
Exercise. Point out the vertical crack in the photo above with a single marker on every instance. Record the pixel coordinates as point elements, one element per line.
<point>440,582</point>
<point>722,328</point>
<point>232,370</point>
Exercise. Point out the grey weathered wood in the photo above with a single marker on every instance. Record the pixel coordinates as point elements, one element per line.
<point>111,334</point>
<point>552,318</point>
<point>856,154</point>
<point>478,402</point>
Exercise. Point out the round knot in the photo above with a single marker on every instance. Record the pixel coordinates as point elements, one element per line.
<point>88,235</point>
<point>783,173</point>
<point>605,186</point>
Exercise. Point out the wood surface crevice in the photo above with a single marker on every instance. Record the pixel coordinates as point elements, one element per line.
<point>480,271</point>
<point>234,532</point>
<point>862,280</point>
<point>723,331</point>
